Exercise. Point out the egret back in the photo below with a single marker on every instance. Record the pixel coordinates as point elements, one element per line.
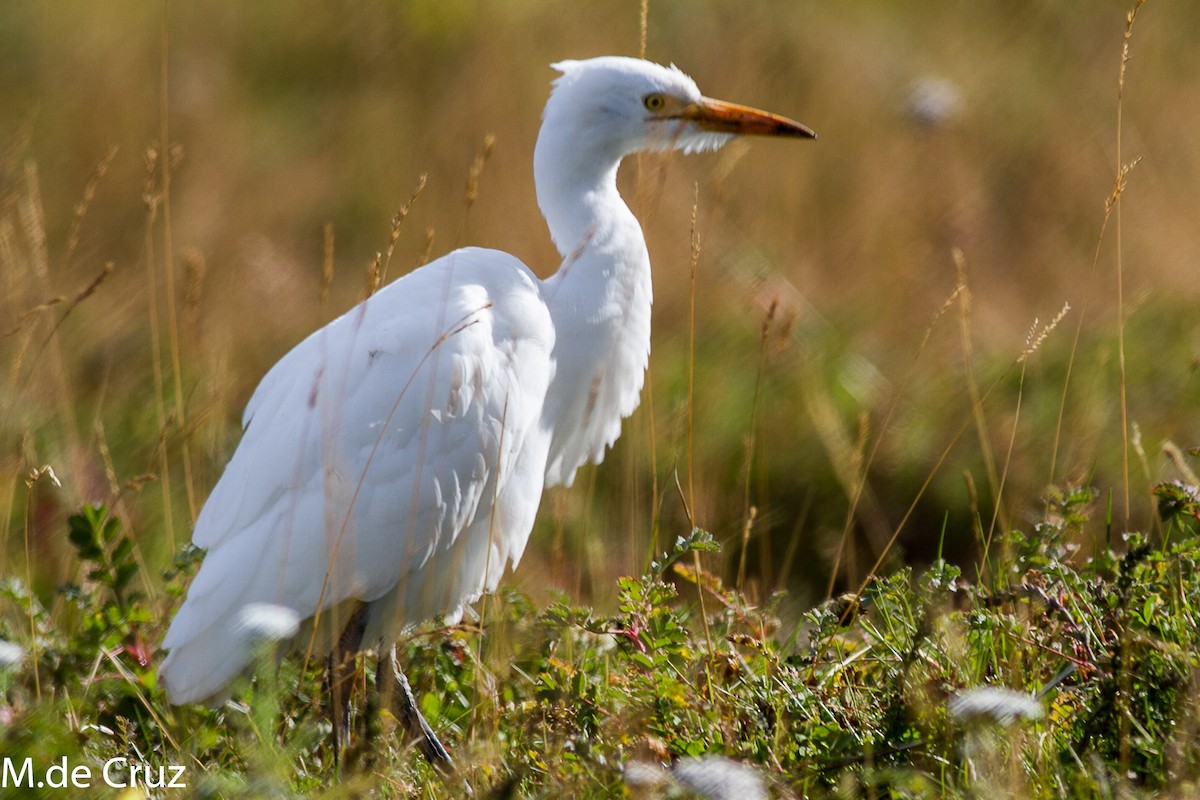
<point>394,457</point>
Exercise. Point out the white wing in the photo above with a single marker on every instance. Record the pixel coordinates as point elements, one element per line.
<point>394,457</point>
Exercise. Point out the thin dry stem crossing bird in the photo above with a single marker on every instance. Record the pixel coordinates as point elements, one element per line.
<point>392,462</point>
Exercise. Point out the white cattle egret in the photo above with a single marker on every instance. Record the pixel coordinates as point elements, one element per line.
<point>392,462</point>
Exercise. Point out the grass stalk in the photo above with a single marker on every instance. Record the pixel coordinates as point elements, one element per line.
<point>884,428</point>
<point>1124,397</point>
<point>691,405</point>
<point>168,265</point>
<point>968,350</point>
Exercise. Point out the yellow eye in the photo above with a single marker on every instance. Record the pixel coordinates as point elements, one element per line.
<point>654,102</point>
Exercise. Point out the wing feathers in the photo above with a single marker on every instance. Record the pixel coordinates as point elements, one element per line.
<point>372,455</point>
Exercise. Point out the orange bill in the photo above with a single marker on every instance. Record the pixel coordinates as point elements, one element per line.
<point>722,117</point>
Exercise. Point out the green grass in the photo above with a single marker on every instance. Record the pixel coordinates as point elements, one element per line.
<point>851,699</point>
<point>873,401</point>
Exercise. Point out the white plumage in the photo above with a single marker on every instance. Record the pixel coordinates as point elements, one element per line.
<point>396,457</point>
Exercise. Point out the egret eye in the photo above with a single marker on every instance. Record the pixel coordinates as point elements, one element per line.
<point>654,102</point>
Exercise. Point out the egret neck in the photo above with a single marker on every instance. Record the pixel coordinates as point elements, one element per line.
<point>600,296</point>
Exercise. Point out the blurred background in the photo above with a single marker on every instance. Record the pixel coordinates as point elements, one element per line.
<point>862,302</point>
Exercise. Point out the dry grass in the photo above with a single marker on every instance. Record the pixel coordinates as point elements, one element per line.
<point>294,130</point>
<point>183,197</point>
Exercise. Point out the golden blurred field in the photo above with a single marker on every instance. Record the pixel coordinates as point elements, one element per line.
<point>986,128</point>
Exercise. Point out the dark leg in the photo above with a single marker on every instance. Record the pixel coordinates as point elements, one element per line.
<point>339,677</point>
<point>410,716</point>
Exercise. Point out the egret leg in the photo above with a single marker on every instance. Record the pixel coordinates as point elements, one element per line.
<point>410,716</point>
<point>339,677</point>
<point>340,682</point>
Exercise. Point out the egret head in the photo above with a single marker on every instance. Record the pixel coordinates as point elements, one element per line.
<point>626,105</point>
<point>604,109</point>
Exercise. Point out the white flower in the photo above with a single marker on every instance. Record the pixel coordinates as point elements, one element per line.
<point>266,622</point>
<point>719,778</point>
<point>996,704</point>
<point>708,777</point>
<point>10,654</point>
<point>640,775</point>
<point>933,102</point>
